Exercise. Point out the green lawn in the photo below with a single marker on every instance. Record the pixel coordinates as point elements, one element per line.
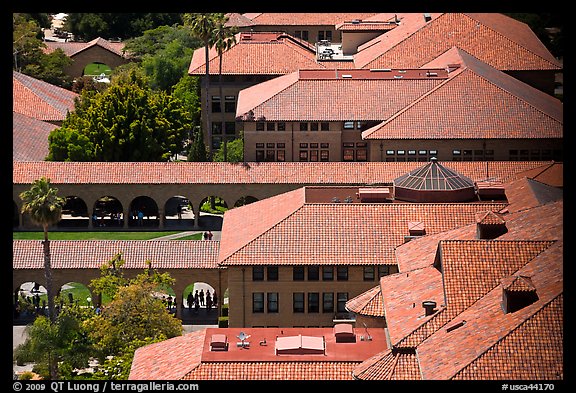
<point>97,69</point>
<point>37,235</point>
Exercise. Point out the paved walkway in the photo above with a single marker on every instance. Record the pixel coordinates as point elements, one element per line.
<point>216,234</point>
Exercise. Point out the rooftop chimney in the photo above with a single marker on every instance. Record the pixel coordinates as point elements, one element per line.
<point>429,307</point>
<point>427,17</point>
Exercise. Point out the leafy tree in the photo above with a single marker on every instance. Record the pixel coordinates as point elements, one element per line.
<point>235,152</point>
<point>197,151</point>
<point>167,66</point>
<point>126,122</point>
<point>156,40</point>
<point>29,57</point>
<point>87,26</point>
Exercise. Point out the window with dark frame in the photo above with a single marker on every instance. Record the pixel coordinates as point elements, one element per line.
<point>342,273</point>
<point>342,298</point>
<point>369,273</point>
<point>257,273</point>
<point>216,104</point>
<point>272,273</point>
<point>313,302</point>
<point>298,302</point>
<point>230,104</point>
<point>298,273</point>
<point>328,302</point>
<point>272,298</point>
<point>313,273</point>
<point>327,273</point>
<point>258,302</point>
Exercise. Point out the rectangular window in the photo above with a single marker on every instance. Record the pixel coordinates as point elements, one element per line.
<point>313,146</point>
<point>369,273</point>
<point>230,128</point>
<point>383,270</point>
<point>456,152</point>
<point>342,273</point>
<point>272,302</point>
<point>270,126</point>
<point>280,145</point>
<point>324,155</point>
<point>257,273</point>
<point>313,273</point>
<point>327,273</point>
<point>298,273</point>
<point>324,126</point>
<point>303,146</point>
<point>230,104</point>
<point>401,152</point>
<point>348,155</point>
<point>258,302</point>
<point>313,302</point>
<point>433,152</point>
<point>217,128</point>
<point>303,126</point>
<point>272,273</point>
<point>303,155</point>
<point>389,152</point>
<point>259,155</point>
<point>313,126</point>
<point>422,152</point>
<point>342,298</point>
<point>259,146</point>
<point>281,126</point>
<point>298,302</point>
<point>270,145</point>
<point>216,105</point>
<point>411,152</point>
<point>313,155</point>
<point>324,146</point>
<point>281,155</point>
<point>348,125</point>
<point>259,126</point>
<point>270,155</point>
<point>362,155</point>
<point>327,302</point>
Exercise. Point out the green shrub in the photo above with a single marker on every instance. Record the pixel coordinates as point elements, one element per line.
<point>222,322</point>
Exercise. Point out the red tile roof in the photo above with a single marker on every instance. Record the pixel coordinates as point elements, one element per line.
<point>258,53</point>
<point>502,42</point>
<point>316,95</point>
<point>40,100</point>
<point>484,103</point>
<point>286,230</point>
<point>551,173</point>
<point>29,138</point>
<point>304,19</point>
<point>73,48</point>
<point>259,362</point>
<point>526,193</point>
<point>389,365</point>
<point>92,254</point>
<point>368,303</point>
<point>329,173</point>
<point>475,271</point>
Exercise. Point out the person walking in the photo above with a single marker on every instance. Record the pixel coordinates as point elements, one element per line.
<point>201,297</point>
<point>190,299</point>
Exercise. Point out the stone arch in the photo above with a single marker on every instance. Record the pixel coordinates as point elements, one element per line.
<point>102,68</point>
<point>173,217</point>
<point>74,213</point>
<point>245,200</point>
<point>107,212</point>
<point>211,212</point>
<point>30,300</point>
<point>149,209</point>
<point>75,292</point>
<point>194,313</point>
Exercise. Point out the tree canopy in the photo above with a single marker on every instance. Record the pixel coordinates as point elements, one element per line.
<point>126,122</point>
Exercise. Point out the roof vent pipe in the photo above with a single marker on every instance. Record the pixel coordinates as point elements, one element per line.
<point>427,17</point>
<point>429,307</point>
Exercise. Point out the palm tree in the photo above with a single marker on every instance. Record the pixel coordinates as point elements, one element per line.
<point>44,206</point>
<point>203,26</point>
<point>224,39</point>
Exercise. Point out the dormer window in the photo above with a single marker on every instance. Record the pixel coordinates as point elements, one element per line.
<point>517,292</point>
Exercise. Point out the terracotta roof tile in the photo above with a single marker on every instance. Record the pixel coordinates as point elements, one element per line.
<point>518,283</point>
<point>92,254</point>
<point>533,351</point>
<point>447,352</point>
<point>333,233</point>
<point>305,19</point>
<point>29,138</point>
<point>478,94</point>
<point>168,362</point>
<point>40,100</point>
<point>368,303</point>
<point>389,365</point>
<point>356,173</point>
<point>264,53</point>
<point>316,96</point>
<point>551,173</point>
<point>489,218</point>
<point>496,39</point>
<point>72,48</point>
